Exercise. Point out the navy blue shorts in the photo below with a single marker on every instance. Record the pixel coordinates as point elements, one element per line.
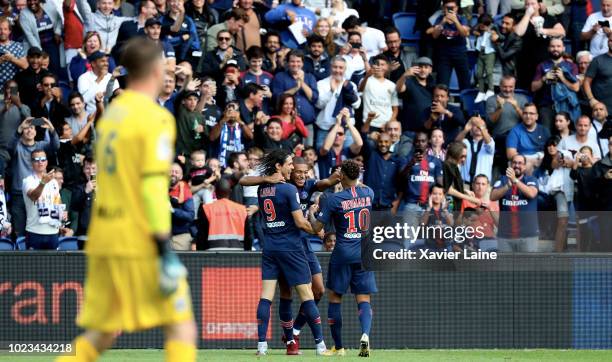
<point>291,265</point>
<point>340,276</point>
<point>313,263</point>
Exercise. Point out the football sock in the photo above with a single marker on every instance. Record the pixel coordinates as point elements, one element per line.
<point>263,318</point>
<point>179,351</point>
<point>334,319</point>
<point>284,312</point>
<point>365,317</point>
<point>84,352</point>
<point>300,320</point>
<point>314,319</point>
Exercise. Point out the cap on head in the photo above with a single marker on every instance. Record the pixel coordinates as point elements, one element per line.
<point>423,61</point>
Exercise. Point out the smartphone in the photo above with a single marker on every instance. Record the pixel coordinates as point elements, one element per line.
<point>92,177</point>
<point>450,10</point>
<point>123,72</point>
<point>356,45</point>
<point>14,91</point>
<point>38,122</point>
<point>604,23</point>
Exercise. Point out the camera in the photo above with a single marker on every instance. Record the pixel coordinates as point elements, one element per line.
<point>356,45</point>
<point>38,122</point>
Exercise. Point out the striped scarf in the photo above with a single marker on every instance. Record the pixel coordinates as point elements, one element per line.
<point>225,135</point>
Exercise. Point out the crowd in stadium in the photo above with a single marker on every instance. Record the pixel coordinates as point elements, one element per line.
<point>503,103</point>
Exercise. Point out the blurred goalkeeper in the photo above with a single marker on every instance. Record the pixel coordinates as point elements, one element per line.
<point>134,280</point>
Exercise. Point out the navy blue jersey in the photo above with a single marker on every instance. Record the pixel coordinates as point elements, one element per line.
<point>305,193</point>
<point>349,211</point>
<point>276,203</point>
<point>518,214</point>
<point>421,178</point>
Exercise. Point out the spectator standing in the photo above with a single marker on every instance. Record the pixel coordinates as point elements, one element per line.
<point>134,27</point>
<point>436,144</point>
<point>230,133</point>
<point>216,59</point>
<point>527,138</point>
<point>191,130</point>
<point>436,215</point>
<point>518,221</point>
<point>487,217</point>
<point>13,57</point>
<point>180,31</point>
<point>337,13</point>
<point>443,115</point>
<point>256,74</point>
<point>373,40</point>
<point>270,137</point>
<point>356,57</point>
<point>234,23</point>
<point>12,113</point>
<point>181,201</point>
<point>449,32</point>
<point>600,121</point>
<point>333,151</point>
<point>153,29</point>
<point>43,205</point>
<point>585,199</point>
<point>507,45</point>
<point>292,125</point>
<point>83,196</point>
<point>379,95</point>
<point>381,170</point>
<point>451,173</point>
<point>275,54</point>
<point>393,53</point>
<point>323,29</point>
<point>51,105</point>
<point>563,125</point>
<point>70,156</point>
<point>92,84</point>
<point>303,86</point>
<point>536,29</point>
<point>583,60</point>
<point>401,144</point>
<point>317,61</point>
<point>481,149</point>
<point>28,79</point>
<point>168,93</point>
<point>597,29</point>
<point>602,181</point>
<point>250,34</point>
<point>495,7</point>
<point>598,79</point>
<point>415,88</point>
<point>286,15</point>
<point>79,64</point>
<point>43,26</point>
<point>582,137</point>
<point>105,22</point>
<point>486,58</point>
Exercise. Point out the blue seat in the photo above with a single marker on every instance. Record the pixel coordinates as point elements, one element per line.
<point>316,244</point>
<point>453,85</point>
<point>467,97</point>
<point>20,242</point>
<point>68,243</point>
<point>524,92</point>
<point>497,19</point>
<point>6,244</point>
<point>405,23</point>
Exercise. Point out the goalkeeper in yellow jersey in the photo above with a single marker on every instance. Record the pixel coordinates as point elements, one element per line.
<point>134,281</point>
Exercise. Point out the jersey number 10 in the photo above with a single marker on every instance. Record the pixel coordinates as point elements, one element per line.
<point>363,219</point>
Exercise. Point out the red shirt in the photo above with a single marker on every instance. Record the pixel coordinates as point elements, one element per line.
<point>485,220</point>
<point>289,128</point>
<point>73,28</point>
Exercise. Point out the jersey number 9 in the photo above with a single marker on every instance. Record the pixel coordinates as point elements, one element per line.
<point>268,207</point>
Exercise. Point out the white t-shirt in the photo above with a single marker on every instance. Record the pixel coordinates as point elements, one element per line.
<point>570,143</point>
<point>599,41</point>
<point>43,216</point>
<point>379,96</point>
<point>374,41</point>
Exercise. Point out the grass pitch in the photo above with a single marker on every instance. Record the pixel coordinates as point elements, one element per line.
<point>474,355</point>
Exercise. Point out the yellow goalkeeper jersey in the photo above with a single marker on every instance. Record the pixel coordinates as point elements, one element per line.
<point>135,138</point>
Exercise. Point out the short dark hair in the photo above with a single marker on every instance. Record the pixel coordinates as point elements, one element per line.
<point>314,38</point>
<point>299,161</point>
<point>237,14</point>
<point>352,33</point>
<point>436,186</point>
<point>455,149</point>
<point>485,19</point>
<point>481,175</point>
<point>351,169</point>
<point>392,30</point>
<point>442,87</point>
<point>251,88</point>
<point>379,57</point>
<point>254,52</point>
<point>270,34</point>
<point>295,53</point>
<point>233,157</point>
<point>530,104</point>
<point>76,94</point>
<point>37,150</point>
<point>268,163</point>
<point>351,22</point>
<point>274,120</point>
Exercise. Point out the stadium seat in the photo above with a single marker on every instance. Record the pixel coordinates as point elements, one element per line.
<point>453,85</point>
<point>525,93</point>
<point>6,244</point>
<point>497,19</point>
<point>405,23</point>
<point>316,244</point>
<point>20,242</point>
<point>68,243</point>
<point>467,97</point>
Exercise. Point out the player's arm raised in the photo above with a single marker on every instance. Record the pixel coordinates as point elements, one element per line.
<point>332,180</point>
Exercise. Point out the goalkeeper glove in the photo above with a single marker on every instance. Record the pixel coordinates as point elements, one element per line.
<point>171,270</point>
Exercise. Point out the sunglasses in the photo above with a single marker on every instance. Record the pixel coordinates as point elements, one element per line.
<point>339,134</point>
<point>49,85</point>
<point>39,159</point>
<point>224,39</point>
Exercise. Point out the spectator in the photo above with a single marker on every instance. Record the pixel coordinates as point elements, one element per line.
<point>481,149</point>
<point>393,53</point>
<point>12,113</point>
<point>527,138</point>
<point>600,119</point>
<point>230,133</point>
<point>79,63</point>
<point>486,217</point>
<point>191,132</point>
<point>329,239</point>
<point>317,61</point>
<point>436,214</point>
<point>373,40</point>
<point>535,29</point>
<point>42,26</point>
<point>323,29</point>
<point>416,179</point>
<point>70,155</point>
<point>73,28</point>
<point>13,56</point>
<point>134,27</point>
<point>180,31</point>
<point>583,60</point>
<point>585,201</point>
<point>379,95</point>
<point>43,205</point>
<point>602,182</point>
<point>581,138</point>
<point>453,182</point>
<point>250,34</point>
<point>256,74</point>
<point>270,137</point>
<point>208,107</point>
<point>168,92</point>
<point>401,144</point>
<point>254,156</point>
<point>51,105</point>
<point>507,44</point>
<point>302,86</point>
<point>310,155</point>
<point>285,15</point>
<point>275,54</point>
<point>381,170</point>
<point>337,13</point>
<point>153,29</point>
<point>92,84</point>
<point>556,79</point>
<point>597,29</point>
<point>415,87</point>
<point>221,225</point>
<point>335,93</point>
<point>449,31</point>
<point>486,58</point>
<point>563,125</point>
<point>201,179</point>
<point>234,23</point>
<point>443,115</point>
<point>333,152</point>
<point>436,145</point>
<point>22,146</point>
<point>83,197</point>
<point>29,78</point>
<point>495,7</point>
<point>230,84</point>
<point>356,57</point>
<point>518,222</point>
<point>79,118</point>
<point>182,210</point>
<point>106,23</point>
<point>598,79</point>
<point>5,226</point>
<point>293,128</point>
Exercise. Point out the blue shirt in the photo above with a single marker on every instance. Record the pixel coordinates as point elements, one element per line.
<point>276,203</point>
<point>305,107</point>
<point>450,126</point>
<point>304,194</point>
<point>279,15</point>
<point>349,211</point>
<point>380,175</point>
<point>328,162</point>
<point>518,215</point>
<point>449,41</point>
<point>525,142</point>
<point>421,178</point>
